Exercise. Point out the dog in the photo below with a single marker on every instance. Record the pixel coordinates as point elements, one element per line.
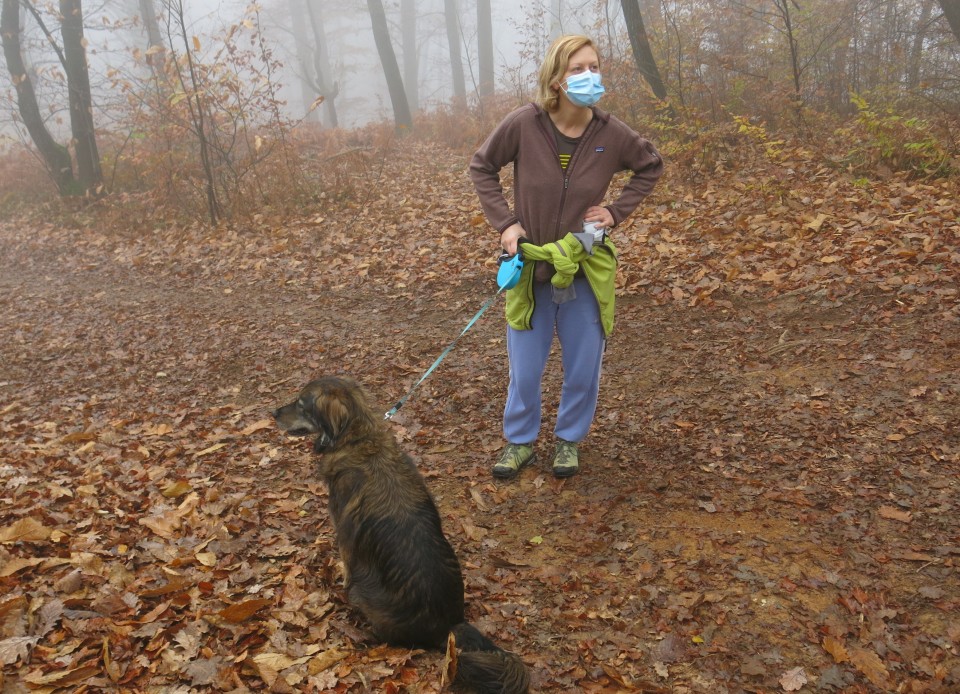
<point>401,572</point>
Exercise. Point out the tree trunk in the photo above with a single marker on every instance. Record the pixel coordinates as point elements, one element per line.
<point>642,54</point>
<point>156,49</point>
<point>452,17</point>
<point>55,156</point>
<point>411,63</point>
<point>556,19</point>
<point>81,103</point>
<point>308,92</point>
<point>321,65</point>
<point>951,10</point>
<point>197,109</point>
<point>485,48</point>
<point>916,51</point>
<point>391,70</point>
<point>783,7</point>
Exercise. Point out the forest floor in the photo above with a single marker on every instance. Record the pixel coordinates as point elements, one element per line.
<point>769,499</point>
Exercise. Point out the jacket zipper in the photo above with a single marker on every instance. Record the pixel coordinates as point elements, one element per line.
<point>591,127</point>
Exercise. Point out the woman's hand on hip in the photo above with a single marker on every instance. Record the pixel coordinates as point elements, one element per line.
<point>510,236</point>
<point>600,216</point>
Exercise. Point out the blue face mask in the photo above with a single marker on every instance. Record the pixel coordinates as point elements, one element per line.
<point>584,89</point>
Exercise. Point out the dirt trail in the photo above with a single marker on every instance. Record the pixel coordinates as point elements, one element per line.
<point>768,500</point>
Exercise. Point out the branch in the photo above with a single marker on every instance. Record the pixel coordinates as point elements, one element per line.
<point>43,27</point>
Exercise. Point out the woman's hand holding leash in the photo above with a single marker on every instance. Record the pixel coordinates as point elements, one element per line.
<point>510,237</point>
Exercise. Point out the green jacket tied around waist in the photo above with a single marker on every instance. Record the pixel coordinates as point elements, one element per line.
<point>567,256</point>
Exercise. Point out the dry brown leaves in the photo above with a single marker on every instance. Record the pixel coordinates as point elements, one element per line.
<point>773,489</point>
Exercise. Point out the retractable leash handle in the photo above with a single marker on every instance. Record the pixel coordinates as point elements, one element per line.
<point>510,268</point>
<point>507,277</point>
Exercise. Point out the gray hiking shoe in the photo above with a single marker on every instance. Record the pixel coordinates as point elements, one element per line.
<point>513,457</point>
<point>566,461</point>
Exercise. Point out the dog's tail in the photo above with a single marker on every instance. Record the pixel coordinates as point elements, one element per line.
<point>480,666</point>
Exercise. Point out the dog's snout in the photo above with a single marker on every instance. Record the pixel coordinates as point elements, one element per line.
<point>275,414</point>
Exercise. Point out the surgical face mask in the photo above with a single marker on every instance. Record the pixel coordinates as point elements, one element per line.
<point>584,89</point>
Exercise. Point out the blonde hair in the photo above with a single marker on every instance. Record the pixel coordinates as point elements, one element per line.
<point>555,64</point>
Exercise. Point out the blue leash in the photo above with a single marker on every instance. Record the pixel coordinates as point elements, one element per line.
<point>507,277</point>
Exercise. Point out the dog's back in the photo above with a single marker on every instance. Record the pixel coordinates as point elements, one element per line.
<point>401,571</point>
<point>403,574</point>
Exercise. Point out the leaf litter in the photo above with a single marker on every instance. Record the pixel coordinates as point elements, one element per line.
<point>769,494</point>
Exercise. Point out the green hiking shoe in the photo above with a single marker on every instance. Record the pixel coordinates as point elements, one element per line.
<point>513,457</point>
<point>566,461</point>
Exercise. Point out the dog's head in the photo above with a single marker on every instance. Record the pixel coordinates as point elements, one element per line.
<point>326,407</point>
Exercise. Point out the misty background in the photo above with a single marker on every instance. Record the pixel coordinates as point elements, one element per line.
<point>226,105</point>
<point>116,39</point>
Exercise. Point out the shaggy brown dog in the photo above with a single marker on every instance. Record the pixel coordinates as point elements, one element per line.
<point>401,572</point>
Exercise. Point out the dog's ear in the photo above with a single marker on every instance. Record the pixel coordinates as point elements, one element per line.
<point>335,413</point>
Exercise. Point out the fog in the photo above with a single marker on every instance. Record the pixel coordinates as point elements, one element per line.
<point>116,36</point>
<point>356,67</point>
<point>756,59</point>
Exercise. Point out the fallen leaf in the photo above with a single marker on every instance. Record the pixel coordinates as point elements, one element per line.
<point>322,661</point>
<point>178,488</point>
<point>448,671</point>
<point>203,671</point>
<point>242,611</point>
<point>871,666</point>
<point>770,276</point>
<point>165,525</point>
<point>478,499</point>
<point>211,449</point>
<point>891,513</point>
<point>257,426</point>
<point>18,564</point>
<point>793,680</point>
<point>836,649</point>
<point>61,678</point>
<point>25,530</point>
<point>16,648</point>
<point>910,555</point>
<point>816,223</point>
<point>206,558</point>
<point>174,586</point>
<point>275,661</point>
<point>475,533</point>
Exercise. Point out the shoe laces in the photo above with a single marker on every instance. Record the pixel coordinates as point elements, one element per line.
<point>567,454</point>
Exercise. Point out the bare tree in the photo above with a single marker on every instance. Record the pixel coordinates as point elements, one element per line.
<point>951,10</point>
<point>55,156</point>
<point>156,47</point>
<point>452,17</point>
<point>326,87</point>
<point>916,50</point>
<point>642,53</point>
<point>81,103</point>
<point>556,18</point>
<point>190,84</point>
<point>485,48</point>
<point>391,70</point>
<point>411,62</point>
<point>783,9</point>
<point>301,45</point>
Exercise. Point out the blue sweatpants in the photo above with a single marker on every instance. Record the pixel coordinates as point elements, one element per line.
<point>577,325</point>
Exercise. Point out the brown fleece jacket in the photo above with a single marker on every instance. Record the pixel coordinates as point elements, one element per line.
<point>550,202</point>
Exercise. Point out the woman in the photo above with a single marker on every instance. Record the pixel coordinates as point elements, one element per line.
<point>565,152</point>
